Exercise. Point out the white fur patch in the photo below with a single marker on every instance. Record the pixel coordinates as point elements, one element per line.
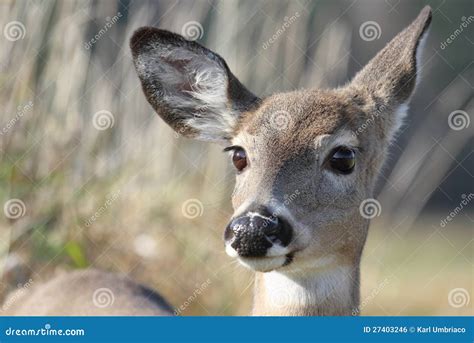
<point>262,264</point>
<point>419,55</point>
<point>277,250</point>
<point>256,214</point>
<point>195,88</point>
<point>210,91</point>
<point>401,112</point>
<point>398,118</point>
<point>286,290</point>
<point>231,251</point>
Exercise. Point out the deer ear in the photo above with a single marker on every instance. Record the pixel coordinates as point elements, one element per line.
<point>389,79</point>
<point>189,86</point>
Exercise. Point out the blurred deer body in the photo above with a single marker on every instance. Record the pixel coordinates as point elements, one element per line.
<point>304,166</point>
<point>87,292</point>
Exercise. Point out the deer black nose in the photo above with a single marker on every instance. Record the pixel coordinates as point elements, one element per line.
<point>253,233</point>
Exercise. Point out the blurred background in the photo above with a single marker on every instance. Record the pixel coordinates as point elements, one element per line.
<point>91,177</point>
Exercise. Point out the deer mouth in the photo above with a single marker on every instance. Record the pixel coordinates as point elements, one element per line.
<point>266,264</point>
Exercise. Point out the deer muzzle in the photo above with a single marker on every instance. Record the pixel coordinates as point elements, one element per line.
<point>258,233</point>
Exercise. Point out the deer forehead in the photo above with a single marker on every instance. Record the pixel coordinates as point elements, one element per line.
<point>291,123</point>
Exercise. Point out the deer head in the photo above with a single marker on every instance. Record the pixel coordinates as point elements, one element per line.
<point>304,160</point>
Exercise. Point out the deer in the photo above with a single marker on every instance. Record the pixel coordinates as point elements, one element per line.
<point>297,221</point>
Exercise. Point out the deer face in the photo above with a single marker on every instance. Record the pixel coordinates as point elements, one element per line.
<point>298,191</point>
<point>304,160</point>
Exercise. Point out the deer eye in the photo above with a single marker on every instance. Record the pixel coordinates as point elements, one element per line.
<point>239,158</point>
<point>342,160</point>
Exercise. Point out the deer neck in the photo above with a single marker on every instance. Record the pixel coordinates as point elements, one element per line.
<point>330,291</point>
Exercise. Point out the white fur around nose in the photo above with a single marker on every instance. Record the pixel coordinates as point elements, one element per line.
<point>256,214</point>
<point>277,250</point>
<point>263,264</point>
<point>231,251</point>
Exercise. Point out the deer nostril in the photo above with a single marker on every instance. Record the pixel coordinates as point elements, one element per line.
<point>283,233</point>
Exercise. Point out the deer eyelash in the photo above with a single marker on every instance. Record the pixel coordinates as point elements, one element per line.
<point>230,148</point>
